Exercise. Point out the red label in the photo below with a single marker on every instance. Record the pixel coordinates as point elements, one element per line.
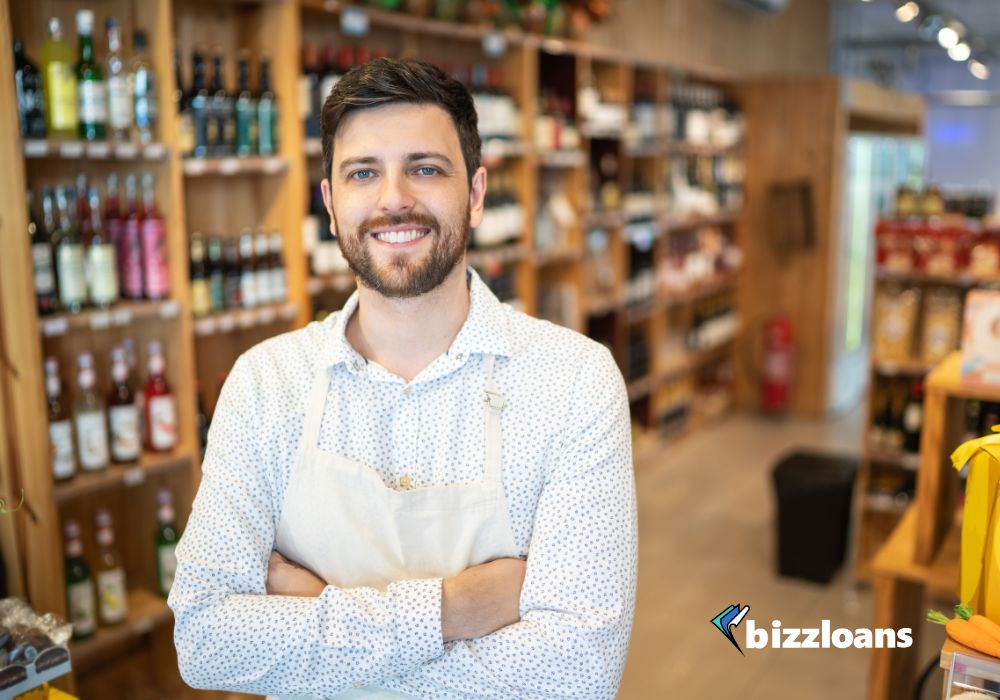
<point>154,258</point>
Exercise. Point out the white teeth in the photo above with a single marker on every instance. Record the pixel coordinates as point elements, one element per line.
<point>400,236</point>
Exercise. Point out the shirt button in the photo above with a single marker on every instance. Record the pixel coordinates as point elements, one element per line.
<point>405,482</point>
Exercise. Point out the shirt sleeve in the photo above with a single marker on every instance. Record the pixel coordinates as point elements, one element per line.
<point>578,596</point>
<point>231,635</point>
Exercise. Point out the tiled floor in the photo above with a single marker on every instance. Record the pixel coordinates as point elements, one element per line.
<point>706,532</point>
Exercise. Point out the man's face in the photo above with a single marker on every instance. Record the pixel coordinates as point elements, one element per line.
<point>399,198</point>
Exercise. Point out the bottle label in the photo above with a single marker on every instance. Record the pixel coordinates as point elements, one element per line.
<point>72,282</point>
<point>154,258</point>
<point>201,297</point>
<point>913,416</point>
<point>61,85</point>
<point>131,259</point>
<point>63,459</point>
<point>93,437</point>
<point>248,291</point>
<point>82,609</point>
<point>120,103</point>
<point>102,274</point>
<point>124,422</point>
<point>166,555</point>
<point>278,291</point>
<point>162,422</point>
<point>112,595</point>
<point>93,102</point>
<point>45,278</point>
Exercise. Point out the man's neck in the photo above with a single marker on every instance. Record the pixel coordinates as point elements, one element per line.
<point>406,335</point>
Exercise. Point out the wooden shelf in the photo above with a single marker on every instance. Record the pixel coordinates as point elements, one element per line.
<point>686,148</point>
<point>86,484</point>
<point>951,647</point>
<point>691,360</point>
<point>146,611</point>
<point>121,314</point>
<point>702,290</point>
<point>963,280</point>
<point>557,256</point>
<point>909,368</point>
<point>338,282</point>
<point>500,255</point>
<point>896,558</point>
<point>562,159</point>
<point>94,150</point>
<point>242,319</point>
<point>947,378</point>
<point>884,503</point>
<point>904,460</point>
<point>646,151</point>
<point>723,218</point>
<point>590,132</point>
<point>251,165</point>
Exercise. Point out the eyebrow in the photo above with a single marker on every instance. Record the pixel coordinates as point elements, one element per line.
<point>410,158</point>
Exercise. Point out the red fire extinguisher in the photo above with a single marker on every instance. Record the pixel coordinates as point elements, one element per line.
<point>777,364</point>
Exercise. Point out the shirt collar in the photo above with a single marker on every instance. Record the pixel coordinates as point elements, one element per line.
<point>486,329</point>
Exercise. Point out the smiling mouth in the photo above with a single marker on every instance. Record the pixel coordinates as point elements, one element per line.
<point>402,236</point>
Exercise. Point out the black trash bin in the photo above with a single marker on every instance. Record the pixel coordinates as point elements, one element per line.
<point>814,512</point>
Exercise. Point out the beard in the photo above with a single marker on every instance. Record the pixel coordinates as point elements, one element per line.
<point>404,276</point>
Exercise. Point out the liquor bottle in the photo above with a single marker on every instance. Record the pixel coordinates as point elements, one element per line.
<point>123,414</point>
<point>120,114</point>
<point>128,347</point>
<point>142,86</point>
<point>166,542</point>
<point>913,416</point>
<point>92,91</point>
<point>46,299</point>
<point>112,594</point>
<point>91,421</point>
<point>186,137</point>
<point>279,280</point>
<point>80,203</point>
<point>161,414</point>
<point>81,605</point>
<point>233,275</point>
<point>262,269</point>
<point>69,258</point>
<point>223,112</point>
<point>130,248</point>
<point>308,84</point>
<point>267,113</point>
<point>248,277</point>
<point>30,98</point>
<point>204,422</point>
<point>246,111</point>
<point>892,418</point>
<point>59,84</point>
<point>102,260</point>
<point>201,297</point>
<point>60,425</point>
<point>202,118</point>
<point>114,224</point>
<point>216,274</point>
<point>156,280</point>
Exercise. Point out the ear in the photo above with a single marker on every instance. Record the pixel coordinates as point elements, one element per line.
<point>328,203</point>
<point>477,196</point>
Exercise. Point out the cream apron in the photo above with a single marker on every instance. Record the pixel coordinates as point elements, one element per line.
<point>341,521</point>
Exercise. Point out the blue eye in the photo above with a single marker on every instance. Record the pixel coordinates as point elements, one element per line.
<point>427,170</point>
<point>362,174</point>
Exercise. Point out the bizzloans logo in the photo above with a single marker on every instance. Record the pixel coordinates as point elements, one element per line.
<point>822,637</point>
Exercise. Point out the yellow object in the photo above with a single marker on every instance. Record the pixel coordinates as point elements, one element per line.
<point>46,692</point>
<point>980,577</point>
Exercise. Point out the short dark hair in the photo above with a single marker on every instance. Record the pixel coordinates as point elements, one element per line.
<point>389,80</point>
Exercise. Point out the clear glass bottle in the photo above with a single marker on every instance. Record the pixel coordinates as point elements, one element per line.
<point>70,269</point>
<point>112,593</point>
<point>90,419</point>
<point>248,276</point>
<point>60,425</point>
<point>120,113</point>
<point>101,257</point>
<point>81,604</point>
<point>167,536</point>
<point>123,413</point>
<point>59,84</point>
<point>143,90</point>
<point>43,266</point>
<point>262,269</point>
<point>92,90</point>
<point>279,281</point>
<point>161,413</point>
<point>30,98</point>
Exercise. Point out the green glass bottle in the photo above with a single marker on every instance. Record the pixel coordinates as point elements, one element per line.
<point>267,113</point>
<point>166,542</point>
<point>81,604</point>
<point>246,111</point>
<point>92,92</point>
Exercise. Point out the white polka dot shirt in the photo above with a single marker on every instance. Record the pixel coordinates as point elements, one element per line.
<point>567,474</point>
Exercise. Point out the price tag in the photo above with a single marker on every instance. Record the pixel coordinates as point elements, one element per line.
<point>36,148</point>
<point>126,151</point>
<point>229,166</point>
<point>155,151</point>
<point>331,5</point>
<point>246,319</point>
<point>495,44</point>
<point>133,476</point>
<point>314,147</point>
<point>315,285</point>
<point>272,165</point>
<point>71,149</point>
<point>54,327</point>
<point>100,320</point>
<point>289,311</point>
<point>98,150</point>
<point>354,21</point>
<point>121,317</point>
<point>194,167</point>
<point>204,326</point>
<point>227,322</point>
<point>170,309</point>
<point>266,315</point>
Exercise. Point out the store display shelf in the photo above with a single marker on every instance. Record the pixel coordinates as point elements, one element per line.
<point>896,368</point>
<point>951,647</point>
<point>242,319</point>
<point>896,557</point>
<point>121,314</point>
<point>885,503</point>
<point>86,484</point>
<point>497,149</point>
<point>94,150</point>
<point>687,148</point>
<point>338,282</point>
<point>146,611</point>
<point>642,387</point>
<point>498,256</point>
<point>719,283</point>
<point>645,150</point>
<point>589,131</point>
<point>688,222</point>
<point>684,362</point>
<point>562,159</point>
<point>556,256</point>
<point>962,279</point>
<point>947,379</point>
<point>251,165</point>
<point>604,219</point>
<point>904,460</point>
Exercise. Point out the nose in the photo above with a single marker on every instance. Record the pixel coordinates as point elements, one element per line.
<point>395,197</point>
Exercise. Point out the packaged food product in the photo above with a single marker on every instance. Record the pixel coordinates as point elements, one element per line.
<point>895,321</point>
<point>942,324</point>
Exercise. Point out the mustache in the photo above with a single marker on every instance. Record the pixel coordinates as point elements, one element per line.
<point>414,220</point>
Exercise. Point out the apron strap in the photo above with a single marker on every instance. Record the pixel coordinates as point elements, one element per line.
<point>494,405</point>
<point>315,406</point>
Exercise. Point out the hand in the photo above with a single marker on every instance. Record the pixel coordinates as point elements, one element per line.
<point>285,577</point>
<point>482,599</point>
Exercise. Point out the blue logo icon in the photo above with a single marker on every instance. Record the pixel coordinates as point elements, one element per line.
<point>728,620</point>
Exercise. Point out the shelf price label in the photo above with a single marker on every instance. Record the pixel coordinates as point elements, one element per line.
<point>195,167</point>
<point>227,322</point>
<point>133,476</point>
<point>121,317</point>
<point>98,150</point>
<point>54,327</point>
<point>36,148</point>
<point>99,321</point>
<point>229,166</point>
<point>494,44</point>
<point>354,21</point>
<point>126,151</point>
<point>155,151</point>
<point>71,149</point>
<point>170,309</point>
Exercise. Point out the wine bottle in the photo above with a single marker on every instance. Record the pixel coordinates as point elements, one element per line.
<point>123,414</point>
<point>161,413</point>
<point>101,258</point>
<point>80,600</point>
<point>267,113</point>
<point>155,277</point>
<point>142,86</point>
<point>201,297</point>
<point>46,299</point>
<point>166,542</point>
<point>69,258</point>
<point>120,113</point>
<point>91,420</point>
<point>132,281</point>
<point>246,111</point>
<point>92,91</point>
<point>112,593</point>
<point>59,84</point>
<point>60,425</point>
<point>30,98</point>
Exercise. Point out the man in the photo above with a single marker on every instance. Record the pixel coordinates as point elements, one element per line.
<point>428,494</point>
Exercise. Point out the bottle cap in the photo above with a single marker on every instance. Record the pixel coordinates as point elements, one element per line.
<point>155,348</point>
<point>85,360</point>
<point>85,21</point>
<point>164,497</point>
<point>103,518</point>
<point>71,529</point>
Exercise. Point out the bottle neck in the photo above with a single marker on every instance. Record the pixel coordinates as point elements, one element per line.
<point>86,48</point>
<point>74,548</point>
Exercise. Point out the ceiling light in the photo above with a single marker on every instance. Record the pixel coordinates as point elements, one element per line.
<point>959,52</point>
<point>979,69</point>
<point>947,37</point>
<point>907,12</point>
